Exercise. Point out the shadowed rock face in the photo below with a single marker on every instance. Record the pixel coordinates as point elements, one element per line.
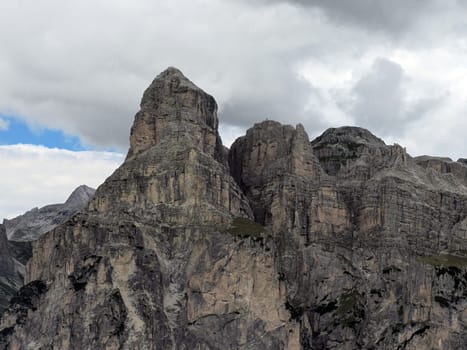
<point>22,230</point>
<point>11,271</point>
<point>361,245</point>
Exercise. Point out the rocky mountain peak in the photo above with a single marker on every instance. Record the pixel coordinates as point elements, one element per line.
<point>267,157</point>
<point>176,166</point>
<point>270,149</point>
<point>350,135</point>
<point>80,196</point>
<point>346,147</point>
<point>173,108</point>
<point>167,256</point>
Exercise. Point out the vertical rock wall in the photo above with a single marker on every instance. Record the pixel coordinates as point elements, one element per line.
<point>339,243</point>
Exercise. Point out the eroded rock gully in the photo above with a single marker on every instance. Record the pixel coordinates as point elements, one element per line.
<point>362,246</point>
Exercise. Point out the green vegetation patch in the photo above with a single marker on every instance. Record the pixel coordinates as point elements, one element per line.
<point>446,260</point>
<point>245,228</point>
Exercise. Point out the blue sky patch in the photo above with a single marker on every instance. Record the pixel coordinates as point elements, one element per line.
<point>17,131</point>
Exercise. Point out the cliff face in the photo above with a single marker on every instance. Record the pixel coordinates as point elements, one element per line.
<point>372,249</point>
<point>17,234</point>
<point>11,271</point>
<point>342,243</point>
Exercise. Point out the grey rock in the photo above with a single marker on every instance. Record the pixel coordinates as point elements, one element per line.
<point>34,223</point>
<point>11,271</point>
<point>445,166</point>
<point>16,251</point>
<point>174,108</point>
<point>356,245</point>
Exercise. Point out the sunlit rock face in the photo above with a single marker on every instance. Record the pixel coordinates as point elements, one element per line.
<point>343,242</point>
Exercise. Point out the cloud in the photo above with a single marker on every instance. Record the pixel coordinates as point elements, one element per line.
<point>4,124</point>
<point>393,17</point>
<point>441,132</point>
<point>34,176</point>
<point>266,98</point>
<point>84,71</point>
<point>82,66</point>
<point>379,100</point>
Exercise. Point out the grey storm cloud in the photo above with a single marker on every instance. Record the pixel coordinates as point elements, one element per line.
<point>378,97</point>
<point>378,100</point>
<point>83,71</point>
<point>82,66</point>
<point>276,93</point>
<point>393,17</point>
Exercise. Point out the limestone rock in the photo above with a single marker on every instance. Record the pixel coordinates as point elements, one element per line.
<point>270,157</point>
<point>11,271</point>
<point>445,166</point>
<point>355,244</point>
<point>174,108</point>
<point>26,228</point>
<point>345,148</point>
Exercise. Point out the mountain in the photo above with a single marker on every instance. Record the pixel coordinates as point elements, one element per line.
<point>34,223</point>
<point>343,242</point>
<point>11,271</point>
<point>16,251</point>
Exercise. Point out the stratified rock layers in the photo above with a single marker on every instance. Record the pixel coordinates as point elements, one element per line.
<point>369,247</point>
<point>362,246</point>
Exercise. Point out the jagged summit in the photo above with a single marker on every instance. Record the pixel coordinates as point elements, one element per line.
<point>176,167</point>
<point>270,149</point>
<point>173,73</point>
<point>172,108</point>
<point>348,146</point>
<point>348,134</point>
<point>370,255</point>
<point>81,195</point>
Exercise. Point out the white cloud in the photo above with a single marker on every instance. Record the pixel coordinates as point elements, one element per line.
<point>81,66</point>
<point>34,176</point>
<point>4,125</point>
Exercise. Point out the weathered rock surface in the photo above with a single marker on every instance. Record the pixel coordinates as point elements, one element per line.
<point>445,166</point>
<point>11,271</point>
<point>356,245</point>
<point>34,223</point>
<point>174,108</point>
<point>22,230</point>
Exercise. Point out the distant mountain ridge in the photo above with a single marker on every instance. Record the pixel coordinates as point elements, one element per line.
<point>34,223</point>
<point>17,235</point>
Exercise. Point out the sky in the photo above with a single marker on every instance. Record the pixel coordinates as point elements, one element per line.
<point>73,72</point>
